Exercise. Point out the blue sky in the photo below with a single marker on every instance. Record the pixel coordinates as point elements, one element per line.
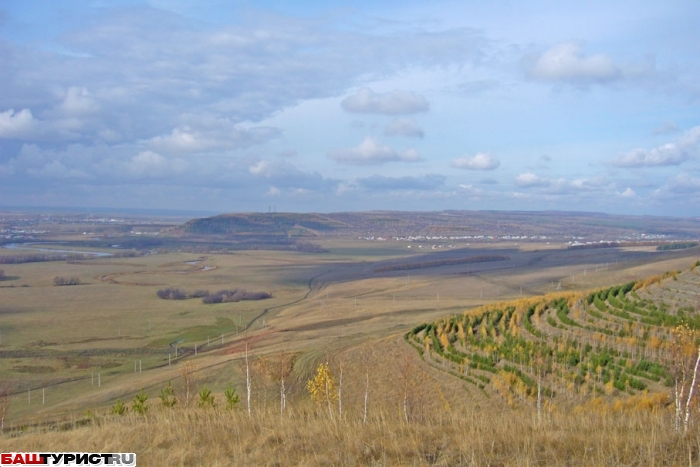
<point>333,106</point>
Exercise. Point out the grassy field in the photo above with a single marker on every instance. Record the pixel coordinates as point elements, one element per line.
<point>67,350</point>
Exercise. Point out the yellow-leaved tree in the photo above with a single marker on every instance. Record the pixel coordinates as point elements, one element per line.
<point>322,387</point>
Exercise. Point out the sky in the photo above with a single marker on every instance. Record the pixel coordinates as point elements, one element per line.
<point>327,106</point>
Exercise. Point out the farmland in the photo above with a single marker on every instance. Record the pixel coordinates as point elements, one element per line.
<point>467,315</point>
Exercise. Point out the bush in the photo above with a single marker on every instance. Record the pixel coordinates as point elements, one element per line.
<point>119,408</point>
<point>225,296</point>
<point>171,294</point>
<point>58,280</point>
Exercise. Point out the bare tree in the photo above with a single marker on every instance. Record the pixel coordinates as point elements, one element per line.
<point>247,377</point>
<point>4,405</point>
<point>366,357</point>
<point>408,385</point>
<point>278,369</point>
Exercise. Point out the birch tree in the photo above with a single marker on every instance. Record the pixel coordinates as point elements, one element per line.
<point>686,362</point>
<point>278,369</point>
<point>322,387</point>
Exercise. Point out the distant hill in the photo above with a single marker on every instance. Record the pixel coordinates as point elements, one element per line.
<point>278,224</point>
<point>472,225</point>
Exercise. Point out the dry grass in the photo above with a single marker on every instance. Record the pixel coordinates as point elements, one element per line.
<point>305,436</point>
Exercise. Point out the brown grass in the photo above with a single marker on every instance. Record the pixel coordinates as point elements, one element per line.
<point>306,436</point>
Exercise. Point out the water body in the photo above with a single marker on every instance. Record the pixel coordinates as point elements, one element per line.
<point>25,246</point>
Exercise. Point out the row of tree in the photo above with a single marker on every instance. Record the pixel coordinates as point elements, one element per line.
<point>608,341</point>
<point>221,296</point>
<point>60,280</point>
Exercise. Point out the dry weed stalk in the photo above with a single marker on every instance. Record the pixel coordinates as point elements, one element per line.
<point>189,377</point>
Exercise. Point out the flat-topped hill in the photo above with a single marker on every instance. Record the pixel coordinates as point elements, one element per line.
<point>284,224</point>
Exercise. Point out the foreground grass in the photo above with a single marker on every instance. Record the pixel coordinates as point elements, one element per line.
<point>308,437</point>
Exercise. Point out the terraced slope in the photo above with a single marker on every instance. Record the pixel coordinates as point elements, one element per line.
<point>565,347</point>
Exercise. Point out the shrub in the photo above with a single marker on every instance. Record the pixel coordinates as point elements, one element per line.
<point>119,408</point>
<point>171,294</point>
<point>206,398</point>
<point>235,295</point>
<point>167,396</point>
<point>232,399</point>
<point>139,404</point>
<point>58,280</point>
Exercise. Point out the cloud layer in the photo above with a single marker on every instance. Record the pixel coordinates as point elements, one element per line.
<point>322,106</point>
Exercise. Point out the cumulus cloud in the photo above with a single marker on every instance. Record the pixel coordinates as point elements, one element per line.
<point>628,193</point>
<point>562,186</point>
<point>424,183</point>
<point>404,127</point>
<point>482,161</point>
<point>153,165</point>
<point>371,152</point>
<point>675,153</point>
<point>16,124</point>
<point>528,180</point>
<point>202,134</point>
<point>78,101</point>
<point>567,62</point>
<point>394,103</point>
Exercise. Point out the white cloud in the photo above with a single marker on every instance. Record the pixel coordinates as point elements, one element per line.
<point>675,153</point>
<point>207,133</point>
<point>152,164</point>
<point>528,179</point>
<point>370,152</point>
<point>482,161</point>
<point>628,193</point>
<point>78,101</point>
<point>404,127</point>
<point>16,125</point>
<point>395,103</point>
<point>567,62</point>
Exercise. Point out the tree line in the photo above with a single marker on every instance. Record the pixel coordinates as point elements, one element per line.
<point>47,257</point>
<point>60,280</point>
<point>676,246</point>
<point>221,296</point>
